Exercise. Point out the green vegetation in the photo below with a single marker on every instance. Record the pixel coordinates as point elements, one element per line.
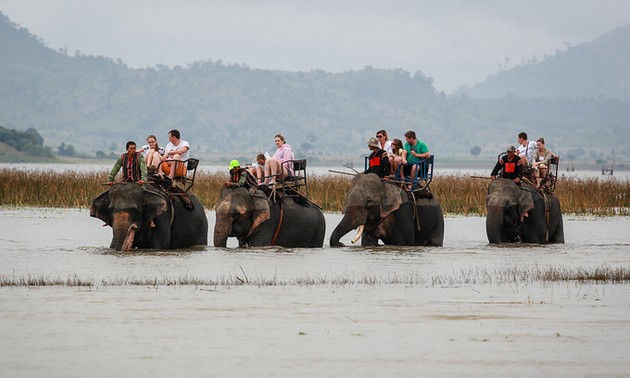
<point>504,275</point>
<point>458,194</point>
<point>22,146</point>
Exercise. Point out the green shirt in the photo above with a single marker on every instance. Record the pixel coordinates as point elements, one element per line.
<point>119,163</point>
<point>419,148</point>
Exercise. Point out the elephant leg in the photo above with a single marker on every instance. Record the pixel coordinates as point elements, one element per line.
<point>557,236</point>
<point>398,227</point>
<point>368,240</point>
<point>431,225</point>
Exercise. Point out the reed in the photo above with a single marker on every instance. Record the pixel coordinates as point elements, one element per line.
<point>503,275</point>
<point>458,194</point>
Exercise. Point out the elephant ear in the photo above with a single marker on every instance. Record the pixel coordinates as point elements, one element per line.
<point>260,211</point>
<point>100,206</point>
<point>525,202</point>
<point>154,204</point>
<point>391,199</point>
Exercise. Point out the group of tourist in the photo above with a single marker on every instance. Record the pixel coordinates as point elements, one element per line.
<point>529,156</point>
<point>264,172</point>
<point>390,156</point>
<point>387,159</point>
<point>152,159</point>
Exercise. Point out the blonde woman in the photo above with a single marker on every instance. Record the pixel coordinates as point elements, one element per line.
<point>152,153</point>
<point>540,162</point>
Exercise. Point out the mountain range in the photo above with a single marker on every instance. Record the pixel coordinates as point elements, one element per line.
<point>577,99</point>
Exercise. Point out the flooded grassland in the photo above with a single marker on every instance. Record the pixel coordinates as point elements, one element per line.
<point>71,306</point>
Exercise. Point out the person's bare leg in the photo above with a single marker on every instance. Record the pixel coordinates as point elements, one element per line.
<point>275,167</point>
<point>260,174</point>
<point>267,172</point>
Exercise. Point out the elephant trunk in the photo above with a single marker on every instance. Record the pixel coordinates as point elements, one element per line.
<point>222,230</point>
<point>494,223</point>
<point>121,222</point>
<point>342,228</point>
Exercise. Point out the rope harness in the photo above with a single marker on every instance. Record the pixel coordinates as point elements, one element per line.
<point>275,235</point>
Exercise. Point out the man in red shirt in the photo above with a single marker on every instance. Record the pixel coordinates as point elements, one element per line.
<point>512,166</point>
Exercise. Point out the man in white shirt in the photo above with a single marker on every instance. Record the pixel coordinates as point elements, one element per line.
<point>177,151</point>
<point>526,149</point>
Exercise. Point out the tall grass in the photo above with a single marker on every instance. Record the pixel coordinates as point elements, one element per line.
<point>504,275</point>
<point>458,194</point>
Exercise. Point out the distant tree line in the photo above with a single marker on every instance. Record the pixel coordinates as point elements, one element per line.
<point>28,142</point>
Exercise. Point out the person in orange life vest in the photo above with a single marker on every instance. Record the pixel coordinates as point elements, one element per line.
<point>133,164</point>
<point>378,161</point>
<point>512,166</point>
<point>240,177</point>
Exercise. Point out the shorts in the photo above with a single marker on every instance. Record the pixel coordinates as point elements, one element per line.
<point>180,168</point>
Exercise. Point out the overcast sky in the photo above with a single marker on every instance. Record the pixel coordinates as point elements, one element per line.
<point>456,42</point>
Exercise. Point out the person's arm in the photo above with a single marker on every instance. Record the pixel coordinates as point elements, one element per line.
<point>114,172</point>
<point>385,166</point>
<point>496,169</point>
<point>548,156</point>
<point>143,168</point>
<point>519,171</point>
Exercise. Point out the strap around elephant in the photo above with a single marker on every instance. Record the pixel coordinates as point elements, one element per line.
<point>275,235</point>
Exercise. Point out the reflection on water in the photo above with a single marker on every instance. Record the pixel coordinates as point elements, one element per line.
<point>355,325</point>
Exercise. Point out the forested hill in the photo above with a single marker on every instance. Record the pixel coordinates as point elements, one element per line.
<point>226,111</point>
<point>600,68</point>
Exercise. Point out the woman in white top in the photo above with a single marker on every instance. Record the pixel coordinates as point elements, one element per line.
<point>384,141</point>
<point>274,166</point>
<point>153,154</point>
<point>540,162</point>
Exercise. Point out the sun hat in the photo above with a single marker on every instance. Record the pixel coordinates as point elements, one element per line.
<point>373,143</point>
<point>234,163</point>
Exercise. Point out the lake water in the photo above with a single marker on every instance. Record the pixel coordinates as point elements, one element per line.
<point>316,170</point>
<point>458,310</point>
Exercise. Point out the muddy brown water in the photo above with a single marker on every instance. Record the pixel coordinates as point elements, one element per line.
<point>348,311</point>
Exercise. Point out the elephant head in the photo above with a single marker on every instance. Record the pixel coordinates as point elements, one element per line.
<point>131,210</point>
<point>506,205</point>
<point>371,206</point>
<point>239,214</point>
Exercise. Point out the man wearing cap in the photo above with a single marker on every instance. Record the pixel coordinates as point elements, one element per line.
<point>512,166</point>
<point>377,161</point>
<point>240,177</point>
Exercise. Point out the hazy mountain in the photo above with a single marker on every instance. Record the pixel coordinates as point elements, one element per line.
<point>600,68</point>
<point>232,111</point>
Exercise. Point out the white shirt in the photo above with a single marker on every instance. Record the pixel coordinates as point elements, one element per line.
<point>182,143</point>
<point>146,149</point>
<point>528,151</point>
<point>388,147</point>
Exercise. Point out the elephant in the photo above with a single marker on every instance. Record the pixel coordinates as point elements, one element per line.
<point>143,216</point>
<point>256,220</point>
<point>522,214</point>
<point>381,210</point>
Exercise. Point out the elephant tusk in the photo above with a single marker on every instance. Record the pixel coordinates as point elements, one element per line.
<point>128,243</point>
<point>359,232</point>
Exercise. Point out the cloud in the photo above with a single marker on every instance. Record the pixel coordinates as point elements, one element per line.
<point>455,42</point>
